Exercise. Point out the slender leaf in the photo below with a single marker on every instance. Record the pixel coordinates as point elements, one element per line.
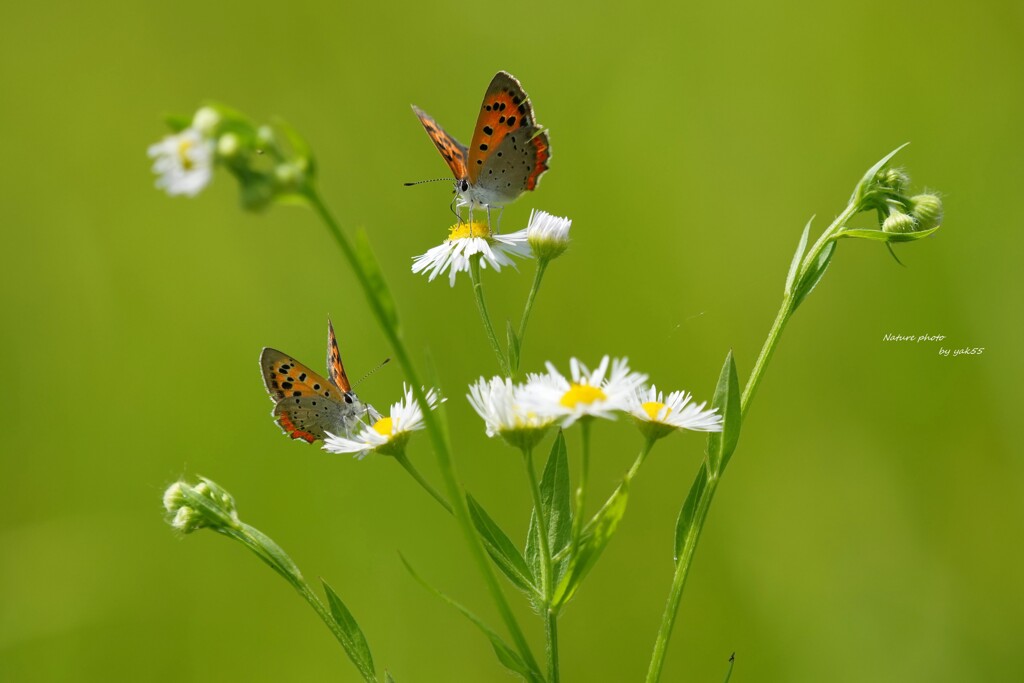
<point>501,549</point>
<point>556,503</point>
<point>513,345</point>
<point>506,655</point>
<point>377,287</point>
<point>798,257</point>
<point>689,509</point>
<point>728,673</point>
<point>866,181</point>
<point>354,641</point>
<point>882,236</point>
<point>593,540</point>
<point>727,399</point>
<point>813,275</point>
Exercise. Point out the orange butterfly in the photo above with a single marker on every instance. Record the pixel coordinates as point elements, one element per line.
<point>509,151</point>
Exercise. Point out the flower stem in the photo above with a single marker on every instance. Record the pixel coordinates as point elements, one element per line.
<point>402,460</point>
<point>644,452</point>
<point>478,293</point>
<point>707,492</point>
<point>542,266</point>
<point>435,430</point>
<point>551,619</point>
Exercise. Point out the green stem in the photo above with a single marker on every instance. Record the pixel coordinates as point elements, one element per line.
<point>542,266</point>
<point>481,305</point>
<point>550,623</point>
<point>711,478</point>
<point>402,460</point>
<point>668,618</point>
<point>644,452</point>
<point>435,430</point>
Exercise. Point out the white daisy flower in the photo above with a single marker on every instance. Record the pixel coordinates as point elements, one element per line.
<point>184,162</point>
<point>389,434</point>
<point>659,416</point>
<point>498,402</point>
<point>548,235</point>
<point>598,393</point>
<point>466,240</point>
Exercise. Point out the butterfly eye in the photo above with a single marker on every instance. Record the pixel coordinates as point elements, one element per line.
<point>463,185</point>
<point>348,398</point>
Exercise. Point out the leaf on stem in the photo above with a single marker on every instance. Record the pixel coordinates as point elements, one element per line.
<point>882,236</point>
<point>595,536</point>
<point>728,672</point>
<point>513,346</point>
<point>556,503</point>
<point>502,550</point>
<point>506,655</point>
<point>798,257</point>
<point>689,510</point>
<point>354,642</point>
<point>865,183</point>
<point>727,399</point>
<point>813,275</point>
<point>376,287</point>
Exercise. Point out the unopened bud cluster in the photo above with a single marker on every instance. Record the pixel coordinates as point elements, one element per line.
<point>206,504</point>
<point>266,169</point>
<point>899,214</point>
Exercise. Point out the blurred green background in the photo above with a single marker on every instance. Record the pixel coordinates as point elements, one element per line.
<point>870,526</point>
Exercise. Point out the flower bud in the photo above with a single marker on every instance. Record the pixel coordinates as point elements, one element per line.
<point>204,505</point>
<point>206,120</point>
<point>173,497</point>
<point>895,179</point>
<point>228,145</point>
<point>927,209</point>
<point>548,235</point>
<point>899,223</point>
<point>186,520</point>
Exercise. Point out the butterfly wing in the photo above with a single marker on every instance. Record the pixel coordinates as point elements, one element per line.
<point>453,151</point>
<point>516,165</point>
<point>306,403</point>
<point>335,370</point>
<point>506,108</point>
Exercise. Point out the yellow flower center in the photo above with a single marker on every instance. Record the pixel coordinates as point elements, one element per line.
<point>652,408</point>
<point>582,393</point>
<point>384,426</point>
<point>183,147</point>
<point>461,231</point>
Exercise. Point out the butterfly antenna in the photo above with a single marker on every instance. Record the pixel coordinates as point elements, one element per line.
<point>420,182</point>
<point>379,366</point>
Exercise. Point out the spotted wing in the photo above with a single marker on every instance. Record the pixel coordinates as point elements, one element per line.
<point>453,151</point>
<point>506,108</point>
<point>310,417</point>
<point>335,370</point>
<point>293,387</point>
<point>517,164</point>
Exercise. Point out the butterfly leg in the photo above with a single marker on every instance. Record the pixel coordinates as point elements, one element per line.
<point>451,207</point>
<point>488,216</point>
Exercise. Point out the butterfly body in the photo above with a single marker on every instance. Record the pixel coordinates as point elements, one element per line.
<point>307,405</point>
<point>508,153</point>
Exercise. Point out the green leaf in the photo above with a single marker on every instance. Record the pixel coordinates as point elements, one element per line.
<point>689,510</point>
<point>513,345</point>
<point>813,275</point>
<point>556,504</point>
<point>794,265</point>
<point>275,554</point>
<point>869,177</point>
<point>881,236</point>
<point>595,536</point>
<point>354,642</point>
<point>501,549</point>
<point>727,400</point>
<point>377,287</point>
<point>728,673</point>
<point>506,655</point>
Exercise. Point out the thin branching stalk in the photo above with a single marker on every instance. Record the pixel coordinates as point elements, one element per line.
<point>542,266</point>
<point>403,460</point>
<point>485,317</point>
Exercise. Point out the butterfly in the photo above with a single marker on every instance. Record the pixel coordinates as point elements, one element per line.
<point>308,406</point>
<point>508,154</point>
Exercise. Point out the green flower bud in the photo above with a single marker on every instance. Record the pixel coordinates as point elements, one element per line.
<point>899,222</point>
<point>895,179</point>
<point>186,520</point>
<point>204,505</point>
<point>228,145</point>
<point>927,209</point>
<point>206,120</point>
